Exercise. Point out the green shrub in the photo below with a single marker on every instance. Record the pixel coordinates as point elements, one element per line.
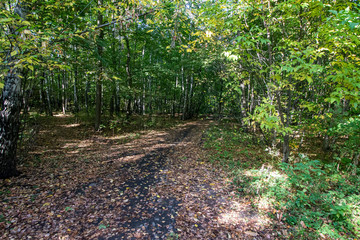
<point>316,198</point>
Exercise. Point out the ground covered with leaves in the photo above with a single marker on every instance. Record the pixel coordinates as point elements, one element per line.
<point>152,184</point>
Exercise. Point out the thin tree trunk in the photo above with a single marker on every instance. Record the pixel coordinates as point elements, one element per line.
<point>144,98</point>
<point>76,102</point>
<point>174,98</point>
<point>87,89</point>
<point>129,75</point>
<point>47,91</point>
<point>190,110</point>
<point>59,92</point>
<point>63,94</point>
<point>42,94</point>
<point>185,86</point>
<point>98,82</point>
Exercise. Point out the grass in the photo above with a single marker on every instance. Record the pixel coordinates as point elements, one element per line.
<point>313,198</point>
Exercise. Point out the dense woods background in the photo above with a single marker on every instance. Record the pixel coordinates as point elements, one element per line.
<point>286,70</point>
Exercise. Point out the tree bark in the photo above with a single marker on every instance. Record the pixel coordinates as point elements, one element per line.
<point>98,82</point>
<point>10,124</point>
<point>129,75</point>
<point>76,102</point>
<point>10,111</point>
<point>63,87</point>
<point>47,91</point>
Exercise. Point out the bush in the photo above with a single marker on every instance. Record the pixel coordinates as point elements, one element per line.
<point>315,198</point>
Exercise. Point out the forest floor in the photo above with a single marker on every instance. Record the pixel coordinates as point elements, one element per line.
<point>152,184</point>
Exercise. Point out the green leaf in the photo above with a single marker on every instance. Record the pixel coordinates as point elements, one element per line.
<point>5,20</point>
<point>102,226</point>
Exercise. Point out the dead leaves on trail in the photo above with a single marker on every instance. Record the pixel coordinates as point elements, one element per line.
<point>210,209</point>
<point>153,187</point>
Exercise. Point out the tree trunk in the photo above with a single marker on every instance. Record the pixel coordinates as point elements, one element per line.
<point>129,76</point>
<point>59,92</point>
<point>64,93</point>
<point>286,148</point>
<point>185,89</point>
<point>98,82</point>
<point>174,98</point>
<point>87,90</point>
<point>112,99</point>
<point>43,107</point>
<point>10,124</point>
<point>190,110</point>
<point>10,112</point>
<point>47,91</point>
<point>76,102</point>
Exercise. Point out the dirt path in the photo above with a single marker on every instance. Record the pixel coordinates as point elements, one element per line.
<point>150,186</point>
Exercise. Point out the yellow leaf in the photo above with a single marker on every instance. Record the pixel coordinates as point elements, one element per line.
<point>150,31</point>
<point>46,204</point>
<point>188,50</point>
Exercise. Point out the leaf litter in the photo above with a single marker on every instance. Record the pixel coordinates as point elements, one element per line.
<point>86,186</point>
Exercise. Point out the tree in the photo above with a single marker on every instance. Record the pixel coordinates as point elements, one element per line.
<point>11,95</point>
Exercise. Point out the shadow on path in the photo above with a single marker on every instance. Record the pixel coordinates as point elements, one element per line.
<point>145,213</point>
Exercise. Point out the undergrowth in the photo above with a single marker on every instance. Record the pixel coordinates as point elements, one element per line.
<point>311,198</point>
<point>126,124</point>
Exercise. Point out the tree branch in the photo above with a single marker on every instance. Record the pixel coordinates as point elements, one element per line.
<point>115,21</point>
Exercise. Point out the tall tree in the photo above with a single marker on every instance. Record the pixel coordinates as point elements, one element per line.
<point>11,96</point>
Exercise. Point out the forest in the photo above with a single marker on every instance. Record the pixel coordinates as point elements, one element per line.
<point>180,119</point>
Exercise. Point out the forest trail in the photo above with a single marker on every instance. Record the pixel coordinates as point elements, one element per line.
<point>150,185</point>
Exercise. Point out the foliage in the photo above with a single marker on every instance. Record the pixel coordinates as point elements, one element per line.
<point>285,70</point>
<point>313,198</point>
<point>349,130</point>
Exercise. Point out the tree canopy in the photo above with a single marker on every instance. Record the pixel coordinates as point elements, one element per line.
<point>283,67</point>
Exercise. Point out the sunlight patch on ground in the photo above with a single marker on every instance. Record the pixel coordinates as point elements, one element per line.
<point>122,137</point>
<point>231,217</point>
<point>74,152</point>
<point>132,158</point>
<point>241,213</point>
<point>273,152</point>
<point>69,145</point>
<point>268,171</point>
<point>84,144</point>
<point>61,115</point>
<point>70,125</point>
